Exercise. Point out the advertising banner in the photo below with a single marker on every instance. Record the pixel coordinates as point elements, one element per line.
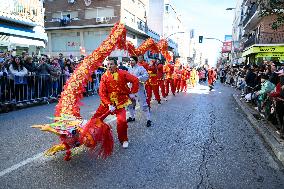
<point>227,47</point>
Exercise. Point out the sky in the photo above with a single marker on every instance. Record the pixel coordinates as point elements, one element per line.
<point>209,18</point>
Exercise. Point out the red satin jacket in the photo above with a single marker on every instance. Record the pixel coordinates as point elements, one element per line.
<point>153,77</point>
<point>169,70</point>
<point>185,74</point>
<point>160,72</point>
<point>144,64</point>
<point>177,74</point>
<point>114,89</point>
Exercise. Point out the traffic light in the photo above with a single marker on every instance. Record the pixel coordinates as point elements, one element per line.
<point>200,39</point>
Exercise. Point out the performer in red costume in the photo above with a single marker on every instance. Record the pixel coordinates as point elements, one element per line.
<point>152,83</point>
<point>142,62</point>
<point>160,76</point>
<point>215,75</point>
<point>115,96</point>
<point>169,70</point>
<point>177,78</point>
<point>211,76</point>
<point>185,75</point>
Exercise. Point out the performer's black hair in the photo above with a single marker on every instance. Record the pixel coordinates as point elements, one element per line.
<point>135,58</point>
<point>113,59</point>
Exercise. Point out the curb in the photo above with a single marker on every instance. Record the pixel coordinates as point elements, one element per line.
<point>266,132</point>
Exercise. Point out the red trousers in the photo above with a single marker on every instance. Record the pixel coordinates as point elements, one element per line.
<point>162,87</point>
<point>120,120</point>
<point>152,88</point>
<point>169,82</point>
<point>210,81</point>
<point>177,84</point>
<point>183,85</point>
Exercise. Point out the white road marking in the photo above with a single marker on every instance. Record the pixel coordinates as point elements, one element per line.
<point>22,163</point>
<point>39,155</point>
<point>35,157</point>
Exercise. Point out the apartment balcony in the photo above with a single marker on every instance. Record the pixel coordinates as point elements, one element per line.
<point>251,17</point>
<point>25,12</point>
<point>142,26</point>
<point>250,41</point>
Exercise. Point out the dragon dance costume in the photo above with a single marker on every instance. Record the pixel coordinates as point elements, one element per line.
<point>177,78</point>
<point>115,91</point>
<point>152,83</point>
<point>160,77</point>
<point>169,70</point>
<point>185,75</point>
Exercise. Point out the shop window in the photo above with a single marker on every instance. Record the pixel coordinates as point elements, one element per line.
<point>61,15</point>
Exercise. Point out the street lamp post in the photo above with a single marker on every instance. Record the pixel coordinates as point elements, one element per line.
<point>214,39</point>
<point>174,34</point>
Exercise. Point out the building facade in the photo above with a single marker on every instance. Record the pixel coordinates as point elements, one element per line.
<point>86,24</point>
<point>237,33</point>
<point>166,20</point>
<point>22,25</point>
<point>259,41</point>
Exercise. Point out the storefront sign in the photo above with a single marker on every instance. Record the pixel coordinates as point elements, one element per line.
<point>72,44</point>
<point>270,54</point>
<point>264,49</point>
<point>227,47</point>
<point>228,38</point>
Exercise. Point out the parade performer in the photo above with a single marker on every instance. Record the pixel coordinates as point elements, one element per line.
<point>211,76</point>
<point>141,73</point>
<point>151,85</point>
<point>96,135</point>
<point>185,74</point>
<point>115,96</point>
<point>169,70</point>
<point>193,77</point>
<point>142,62</point>
<point>160,76</point>
<point>215,75</point>
<point>177,78</point>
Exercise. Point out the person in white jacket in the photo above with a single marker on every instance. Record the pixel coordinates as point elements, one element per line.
<point>17,68</point>
<point>141,73</point>
<point>17,74</point>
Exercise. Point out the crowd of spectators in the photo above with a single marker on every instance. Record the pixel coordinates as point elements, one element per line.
<point>29,78</point>
<point>262,86</point>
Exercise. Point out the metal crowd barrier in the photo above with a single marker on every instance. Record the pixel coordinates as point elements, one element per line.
<point>37,88</point>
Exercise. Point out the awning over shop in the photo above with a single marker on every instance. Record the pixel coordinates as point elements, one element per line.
<point>19,41</point>
<point>272,50</point>
<point>25,32</point>
<point>4,40</point>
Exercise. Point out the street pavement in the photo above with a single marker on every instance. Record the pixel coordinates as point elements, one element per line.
<point>199,139</point>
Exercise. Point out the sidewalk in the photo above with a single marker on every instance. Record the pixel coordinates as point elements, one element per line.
<point>263,127</point>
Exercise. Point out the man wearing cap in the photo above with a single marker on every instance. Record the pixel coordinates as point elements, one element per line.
<point>115,96</point>
<point>141,73</point>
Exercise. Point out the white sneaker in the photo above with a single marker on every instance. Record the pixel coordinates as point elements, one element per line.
<point>125,144</point>
<point>165,99</point>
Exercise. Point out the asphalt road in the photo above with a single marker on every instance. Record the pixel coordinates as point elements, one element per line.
<point>198,140</point>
